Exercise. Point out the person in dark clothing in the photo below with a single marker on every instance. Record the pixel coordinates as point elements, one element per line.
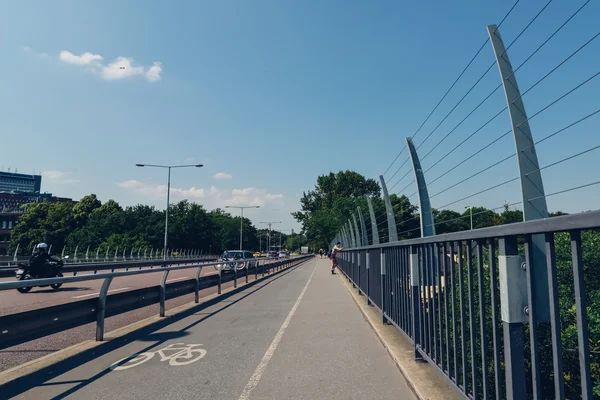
<point>38,259</point>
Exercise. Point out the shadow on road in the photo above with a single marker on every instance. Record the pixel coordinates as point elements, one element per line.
<point>40,378</point>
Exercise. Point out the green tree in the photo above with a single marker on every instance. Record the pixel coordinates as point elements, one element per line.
<point>43,222</point>
<point>448,221</point>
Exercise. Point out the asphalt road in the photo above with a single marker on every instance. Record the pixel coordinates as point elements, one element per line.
<point>12,301</point>
<point>296,335</point>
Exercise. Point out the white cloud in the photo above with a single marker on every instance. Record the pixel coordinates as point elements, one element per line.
<point>84,59</point>
<point>120,68</point>
<point>153,73</point>
<point>58,177</point>
<point>222,175</point>
<point>211,198</point>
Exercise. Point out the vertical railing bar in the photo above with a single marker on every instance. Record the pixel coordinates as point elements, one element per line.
<point>407,291</point>
<point>495,303</point>
<point>559,389</point>
<point>428,297</point>
<point>461,287</point>
<point>447,319</point>
<point>472,317</point>
<point>432,302</point>
<point>422,283</point>
<point>454,331</point>
<point>533,326</point>
<point>483,342</point>
<point>397,292</point>
<point>582,320</point>
<point>438,291</point>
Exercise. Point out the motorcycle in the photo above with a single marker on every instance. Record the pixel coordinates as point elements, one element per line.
<point>51,269</point>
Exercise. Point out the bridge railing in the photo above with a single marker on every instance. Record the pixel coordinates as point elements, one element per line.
<point>471,304</point>
<point>9,271</point>
<point>22,327</point>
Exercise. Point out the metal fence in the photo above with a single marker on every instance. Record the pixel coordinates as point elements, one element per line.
<point>9,271</point>
<point>105,254</point>
<point>30,325</point>
<point>473,303</point>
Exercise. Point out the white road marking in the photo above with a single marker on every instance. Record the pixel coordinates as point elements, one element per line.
<point>176,279</point>
<point>96,294</point>
<point>262,366</point>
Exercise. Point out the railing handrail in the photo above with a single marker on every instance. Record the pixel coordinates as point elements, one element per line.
<point>149,261</point>
<point>563,223</point>
<point>89,277</point>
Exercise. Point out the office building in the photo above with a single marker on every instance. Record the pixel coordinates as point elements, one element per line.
<point>13,182</point>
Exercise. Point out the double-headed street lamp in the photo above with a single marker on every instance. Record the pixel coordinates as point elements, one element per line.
<point>168,194</point>
<point>269,238</point>
<point>242,221</point>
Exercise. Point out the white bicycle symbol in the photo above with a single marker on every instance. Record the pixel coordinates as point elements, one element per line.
<point>182,356</point>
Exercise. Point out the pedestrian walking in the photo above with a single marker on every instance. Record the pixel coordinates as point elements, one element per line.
<point>321,253</point>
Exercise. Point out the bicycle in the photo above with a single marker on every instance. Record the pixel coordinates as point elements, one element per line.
<point>186,353</point>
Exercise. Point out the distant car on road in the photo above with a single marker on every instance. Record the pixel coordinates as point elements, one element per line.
<point>272,254</point>
<point>257,254</point>
<point>282,254</point>
<point>244,257</point>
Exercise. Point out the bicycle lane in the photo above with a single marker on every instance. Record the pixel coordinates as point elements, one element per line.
<point>234,332</point>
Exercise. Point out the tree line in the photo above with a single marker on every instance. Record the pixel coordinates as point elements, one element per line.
<point>89,223</point>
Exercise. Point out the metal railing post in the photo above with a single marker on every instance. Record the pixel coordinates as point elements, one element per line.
<point>197,286</point>
<point>235,276</point>
<point>367,291</point>
<point>247,266</point>
<point>220,281</point>
<point>353,269</point>
<point>383,287</point>
<point>101,309</point>
<point>513,301</point>
<point>163,293</point>
<point>414,283</point>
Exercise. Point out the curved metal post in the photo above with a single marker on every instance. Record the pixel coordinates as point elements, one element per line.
<point>392,231</point>
<point>101,309</point>
<point>86,253</point>
<point>532,187</point>
<point>352,236</point>
<point>363,227</point>
<point>427,225</point>
<point>75,255</point>
<point>163,293</point>
<point>374,228</point>
<point>356,231</point>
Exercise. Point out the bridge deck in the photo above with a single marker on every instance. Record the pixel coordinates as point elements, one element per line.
<point>297,335</point>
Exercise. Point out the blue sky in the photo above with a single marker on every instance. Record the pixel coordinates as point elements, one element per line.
<point>273,93</point>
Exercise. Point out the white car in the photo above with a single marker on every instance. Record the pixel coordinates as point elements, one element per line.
<point>282,254</point>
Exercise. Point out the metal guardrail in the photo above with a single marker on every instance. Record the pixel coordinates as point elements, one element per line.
<point>30,325</point>
<point>12,262</point>
<point>471,303</point>
<point>104,266</point>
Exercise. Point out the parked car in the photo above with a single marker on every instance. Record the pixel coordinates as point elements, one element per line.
<point>227,260</point>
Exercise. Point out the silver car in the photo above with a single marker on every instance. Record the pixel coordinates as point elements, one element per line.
<point>244,258</point>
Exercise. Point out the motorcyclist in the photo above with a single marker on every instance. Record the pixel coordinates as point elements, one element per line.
<point>38,260</point>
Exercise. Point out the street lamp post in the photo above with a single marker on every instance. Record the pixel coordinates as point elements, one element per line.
<point>242,220</point>
<point>269,239</point>
<point>168,167</point>
<point>471,212</point>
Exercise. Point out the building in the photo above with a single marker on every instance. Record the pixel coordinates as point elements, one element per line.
<point>10,181</point>
<point>16,192</point>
